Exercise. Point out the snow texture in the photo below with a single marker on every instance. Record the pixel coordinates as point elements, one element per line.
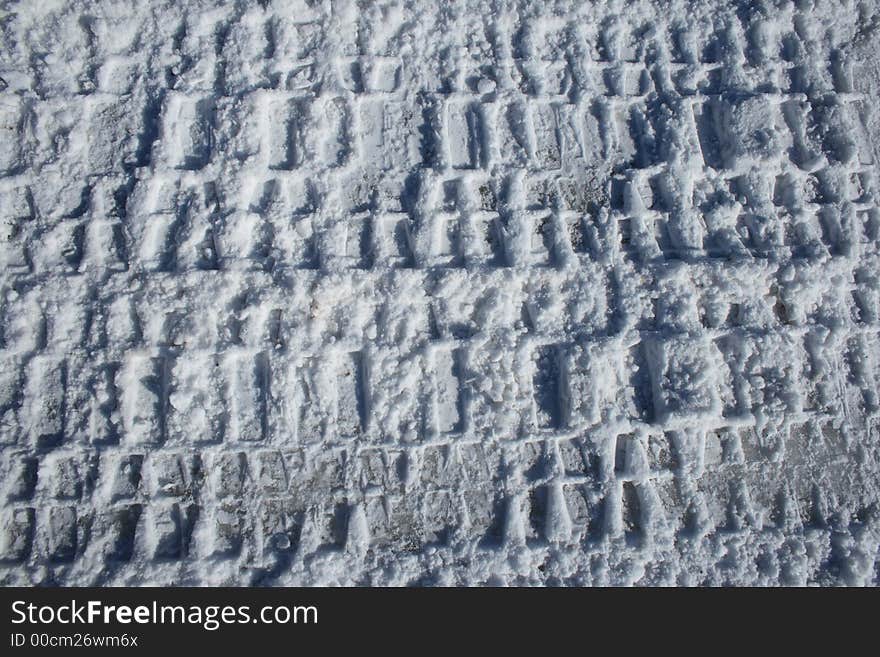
<point>486,292</point>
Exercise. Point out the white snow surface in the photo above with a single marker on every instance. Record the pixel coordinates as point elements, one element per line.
<point>439,293</point>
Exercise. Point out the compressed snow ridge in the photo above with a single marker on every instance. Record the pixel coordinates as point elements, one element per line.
<point>490,292</point>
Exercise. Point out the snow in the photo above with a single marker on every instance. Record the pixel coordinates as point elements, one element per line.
<point>310,292</point>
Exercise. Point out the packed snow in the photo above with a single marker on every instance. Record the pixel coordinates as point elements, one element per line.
<point>327,292</point>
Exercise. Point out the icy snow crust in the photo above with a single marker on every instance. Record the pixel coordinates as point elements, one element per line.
<point>313,292</point>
